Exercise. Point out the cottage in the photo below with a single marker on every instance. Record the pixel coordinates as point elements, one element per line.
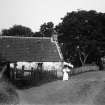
<point>39,50</point>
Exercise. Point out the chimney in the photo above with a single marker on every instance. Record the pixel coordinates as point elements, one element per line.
<point>54,37</point>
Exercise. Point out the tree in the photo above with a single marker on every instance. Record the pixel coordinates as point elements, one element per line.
<point>47,29</point>
<point>17,30</point>
<point>83,30</point>
<point>37,34</point>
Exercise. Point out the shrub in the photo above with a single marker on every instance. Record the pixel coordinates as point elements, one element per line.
<point>8,94</point>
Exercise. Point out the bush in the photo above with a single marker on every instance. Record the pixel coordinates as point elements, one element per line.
<point>8,95</point>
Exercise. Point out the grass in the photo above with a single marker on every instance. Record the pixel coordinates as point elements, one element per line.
<point>84,89</point>
<point>89,90</point>
<point>100,98</point>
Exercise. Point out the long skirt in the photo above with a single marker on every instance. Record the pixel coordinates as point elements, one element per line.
<point>65,76</point>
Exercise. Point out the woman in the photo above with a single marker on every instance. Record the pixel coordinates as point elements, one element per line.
<point>66,70</point>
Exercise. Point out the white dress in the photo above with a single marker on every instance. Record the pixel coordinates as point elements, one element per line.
<point>65,74</point>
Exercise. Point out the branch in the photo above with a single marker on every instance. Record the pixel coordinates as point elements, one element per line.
<point>80,58</point>
<point>85,58</point>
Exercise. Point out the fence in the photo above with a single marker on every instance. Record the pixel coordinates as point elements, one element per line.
<point>33,75</point>
<point>85,68</point>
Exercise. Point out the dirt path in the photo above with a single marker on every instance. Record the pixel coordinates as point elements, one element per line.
<point>84,89</point>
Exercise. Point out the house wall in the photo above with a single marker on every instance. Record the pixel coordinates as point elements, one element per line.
<point>27,65</point>
<point>54,66</point>
<point>46,66</point>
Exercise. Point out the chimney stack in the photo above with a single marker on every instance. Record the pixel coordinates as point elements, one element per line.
<point>54,37</point>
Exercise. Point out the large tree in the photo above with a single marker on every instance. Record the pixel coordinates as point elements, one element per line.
<point>82,33</point>
<point>17,30</point>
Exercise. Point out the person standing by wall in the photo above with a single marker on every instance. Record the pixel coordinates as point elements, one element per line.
<point>66,70</point>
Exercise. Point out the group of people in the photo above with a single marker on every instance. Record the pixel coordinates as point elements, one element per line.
<point>66,70</point>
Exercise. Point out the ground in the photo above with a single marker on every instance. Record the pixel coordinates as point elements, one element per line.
<point>83,89</point>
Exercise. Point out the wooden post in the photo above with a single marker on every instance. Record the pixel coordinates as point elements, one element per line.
<point>3,70</point>
<point>22,71</point>
<point>31,74</point>
<point>15,71</point>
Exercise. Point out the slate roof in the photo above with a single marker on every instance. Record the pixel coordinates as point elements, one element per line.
<point>28,49</point>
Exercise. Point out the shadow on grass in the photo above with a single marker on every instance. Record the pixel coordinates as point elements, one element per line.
<point>24,83</point>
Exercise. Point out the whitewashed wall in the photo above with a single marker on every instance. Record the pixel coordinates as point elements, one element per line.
<point>27,65</point>
<point>45,66</point>
<point>52,66</point>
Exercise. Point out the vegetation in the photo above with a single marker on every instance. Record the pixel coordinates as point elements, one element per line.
<point>17,30</point>
<point>46,30</point>
<point>82,34</point>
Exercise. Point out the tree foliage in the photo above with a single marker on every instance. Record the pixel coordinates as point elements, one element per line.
<point>46,30</point>
<point>80,31</point>
<point>17,30</point>
<point>37,34</point>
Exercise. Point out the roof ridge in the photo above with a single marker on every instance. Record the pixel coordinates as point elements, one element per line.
<point>59,51</point>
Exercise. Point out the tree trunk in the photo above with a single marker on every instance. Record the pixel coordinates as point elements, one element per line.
<point>83,61</point>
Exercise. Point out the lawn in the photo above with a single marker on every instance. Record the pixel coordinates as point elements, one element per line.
<point>83,89</point>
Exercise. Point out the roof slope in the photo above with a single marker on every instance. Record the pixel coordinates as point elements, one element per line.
<point>28,49</point>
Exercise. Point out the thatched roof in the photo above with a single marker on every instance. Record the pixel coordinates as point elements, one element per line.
<point>28,49</point>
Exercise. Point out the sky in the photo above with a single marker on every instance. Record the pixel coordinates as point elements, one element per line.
<point>33,13</point>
